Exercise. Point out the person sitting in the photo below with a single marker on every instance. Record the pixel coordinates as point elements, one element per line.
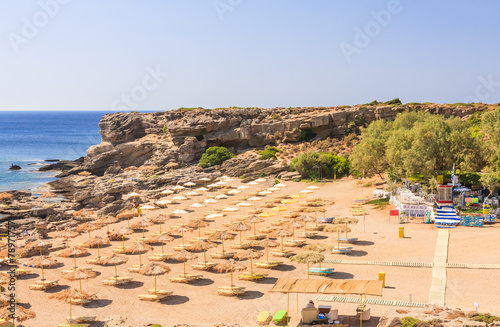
<point>310,304</point>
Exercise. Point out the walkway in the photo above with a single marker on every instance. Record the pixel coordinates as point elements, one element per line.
<point>343,299</point>
<point>438,284</point>
<point>413,264</point>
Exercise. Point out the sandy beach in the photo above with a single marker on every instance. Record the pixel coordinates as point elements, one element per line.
<point>198,303</point>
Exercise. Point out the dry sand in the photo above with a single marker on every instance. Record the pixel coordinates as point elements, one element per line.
<point>198,303</point>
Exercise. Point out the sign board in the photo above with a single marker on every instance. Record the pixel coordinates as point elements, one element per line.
<point>393,212</point>
<point>440,179</point>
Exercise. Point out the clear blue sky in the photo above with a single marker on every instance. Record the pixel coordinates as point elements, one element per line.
<point>94,54</point>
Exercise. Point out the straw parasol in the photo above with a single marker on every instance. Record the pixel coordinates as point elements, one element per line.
<point>196,205</point>
<point>73,252</point>
<point>127,214</point>
<point>70,295</point>
<point>178,188</point>
<point>67,234</point>
<point>306,219</point>
<point>181,229</point>
<point>294,224</point>
<point>84,173</point>
<point>142,225</point>
<point>189,184</point>
<point>124,231</point>
<point>319,248</point>
<point>221,196</point>
<point>204,245</point>
<point>249,254</point>
<point>154,269</point>
<point>107,221</point>
<point>210,201</point>
<point>48,195</point>
<point>231,265</point>
<point>138,248</point>
<point>88,227</point>
<point>183,256</point>
<point>163,238</point>
<point>266,243</point>
<point>159,219</point>
<point>4,196</point>
<point>167,192</point>
<point>114,259</point>
<point>97,241</point>
<point>172,165</point>
<point>198,224</point>
<point>36,245</point>
<point>21,314</point>
<point>282,232</point>
<point>254,220</point>
<point>308,258</point>
<point>339,229</point>
<point>221,235</point>
<point>240,227</point>
<point>79,274</point>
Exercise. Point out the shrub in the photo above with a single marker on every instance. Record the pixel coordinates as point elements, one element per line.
<point>305,135</point>
<point>394,101</point>
<point>373,103</point>
<point>276,116</point>
<point>296,180</point>
<point>164,129</point>
<point>269,153</point>
<point>409,321</point>
<point>215,155</point>
<point>486,317</point>
<point>330,164</point>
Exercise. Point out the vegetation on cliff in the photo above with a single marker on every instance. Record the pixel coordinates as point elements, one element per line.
<point>312,164</point>
<point>215,155</point>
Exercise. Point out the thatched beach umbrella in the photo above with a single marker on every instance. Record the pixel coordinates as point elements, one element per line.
<point>306,219</point>
<point>282,232</point>
<point>308,258</point>
<point>183,256</point>
<point>97,241</point>
<point>339,229</point>
<point>231,265</point>
<point>142,225</point>
<point>107,221</point>
<point>41,262</point>
<point>67,234</point>
<point>249,254</point>
<point>115,259</point>
<point>294,224</point>
<point>139,248</point>
<point>154,269</point>
<point>181,229</point>
<point>88,227</point>
<point>21,314</point>
<point>198,224</point>
<point>204,245</point>
<point>254,220</point>
<point>124,231</point>
<point>221,236</point>
<point>37,245</point>
<point>159,219</point>
<point>163,238</point>
<point>79,274</point>
<point>69,295</point>
<point>127,214</point>
<point>266,243</point>
<point>319,248</point>
<point>73,252</point>
<point>240,227</point>
<point>48,195</point>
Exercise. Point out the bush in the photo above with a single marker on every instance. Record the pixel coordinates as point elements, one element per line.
<point>269,153</point>
<point>276,116</point>
<point>330,164</point>
<point>373,103</point>
<point>296,180</point>
<point>409,321</point>
<point>305,135</point>
<point>394,101</point>
<point>215,155</point>
<point>486,317</point>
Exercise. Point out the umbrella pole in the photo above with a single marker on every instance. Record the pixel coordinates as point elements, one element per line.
<point>43,276</point>
<point>155,284</point>
<point>240,238</point>
<point>140,259</point>
<point>308,270</point>
<point>251,266</point>
<point>80,285</point>
<point>184,262</point>
<point>282,250</point>
<point>293,234</point>
<point>74,256</point>
<point>161,222</point>
<point>267,254</point>
<point>123,241</point>
<point>67,242</point>
<point>223,245</point>
<point>231,279</point>
<point>205,255</point>
<point>89,234</point>
<point>116,272</point>
<point>162,253</point>
<point>98,251</point>
<point>254,232</point>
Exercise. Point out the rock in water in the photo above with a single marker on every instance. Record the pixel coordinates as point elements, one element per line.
<point>14,167</point>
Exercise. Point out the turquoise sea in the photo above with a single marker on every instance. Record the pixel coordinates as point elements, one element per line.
<point>28,138</point>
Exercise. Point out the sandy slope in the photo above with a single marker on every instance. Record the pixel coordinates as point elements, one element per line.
<point>198,303</point>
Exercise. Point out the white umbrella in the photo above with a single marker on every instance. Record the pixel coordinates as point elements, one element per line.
<point>254,198</point>
<point>234,192</point>
<point>178,187</point>
<point>196,205</point>
<point>252,183</point>
<point>192,193</point>
<point>223,177</point>
<point>306,191</point>
<point>205,179</point>
<point>272,189</point>
<point>189,184</point>
<point>167,192</point>
<point>213,185</point>
<point>265,192</point>
<point>210,201</point>
<point>312,187</point>
<point>220,183</point>
<point>179,198</point>
<point>179,212</point>
<point>148,207</point>
<point>243,204</point>
<point>231,209</point>
<point>228,179</point>
<point>221,196</point>
<point>214,215</point>
<point>260,180</point>
<point>243,187</point>
<point>133,195</point>
<point>163,202</point>
<point>202,189</point>
<point>280,185</point>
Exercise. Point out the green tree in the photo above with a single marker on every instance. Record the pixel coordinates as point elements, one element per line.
<point>369,155</point>
<point>331,165</point>
<point>269,153</point>
<point>490,181</point>
<point>215,155</point>
<point>491,127</point>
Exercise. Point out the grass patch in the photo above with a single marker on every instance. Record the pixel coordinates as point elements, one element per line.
<point>379,203</point>
<point>484,317</point>
<point>367,184</point>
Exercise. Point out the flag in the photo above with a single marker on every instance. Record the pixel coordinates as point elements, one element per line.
<point>453,174</point>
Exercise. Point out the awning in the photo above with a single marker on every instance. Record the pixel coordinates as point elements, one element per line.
<point>331,286</point>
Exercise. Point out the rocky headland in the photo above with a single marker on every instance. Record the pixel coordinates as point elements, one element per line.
<point>147,152</point>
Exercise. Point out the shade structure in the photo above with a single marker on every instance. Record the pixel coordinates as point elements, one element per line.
<point>79,274</point>
<point>132,195</point>
<point>179,212</point>
<point>244,204</point>
<point>213,185</point>
<point>254,198</point>
<point>41,261</point>
<point>330,286</point>
<point>167,192</point>
<point>193,193</point>
<point>280,185</point>
<point>205,179</point>
<point>221,196</point>
<point>230,266</point>
<point>252,183</point>
<point>21,314</point>
<point>210,201</point>
<point>114,260</point>
<point>243,187</point>
<point>260,180</point>
<point>154,269</point>
<point>306,191</point>
<point>163,203</point>
<point>189,184</point>
<point>172,165</point>
<point>183,256</point>
<point>202,189</point>
<point>71,294</point>
<point>178,188</point>
<point>83,212</point>
<point>234,192</point>
<point>240,227</point>
<point>196,205</point>
<point>220,183</point>
<point>179,198</point>
<point>147,207</point>
<point>48,195</point>
<point>127,214</point>
<point>265,193</point>
<point>67,234</point>
<point>214,215</point>
<point>231,209</point>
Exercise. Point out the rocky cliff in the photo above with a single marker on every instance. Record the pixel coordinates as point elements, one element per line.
<point>135,139</point>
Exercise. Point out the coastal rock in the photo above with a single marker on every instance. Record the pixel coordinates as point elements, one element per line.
<point>14,167</point>
<point>251,167</point>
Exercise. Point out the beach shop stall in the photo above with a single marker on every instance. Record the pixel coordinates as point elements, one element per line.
<point>363,288</point>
